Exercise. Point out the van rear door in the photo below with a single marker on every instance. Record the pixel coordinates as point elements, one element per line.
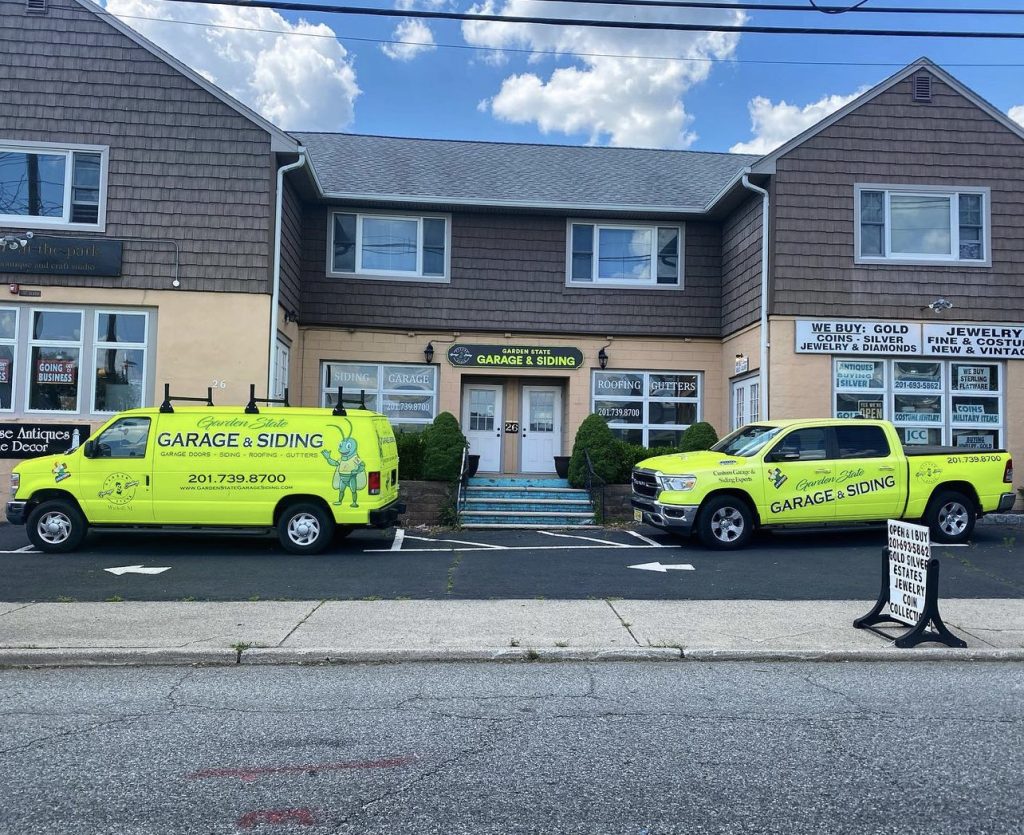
<point>388,459</point>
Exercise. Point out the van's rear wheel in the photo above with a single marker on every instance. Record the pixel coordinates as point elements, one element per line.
<point>950,516</point>
<point>56,527</point>
<point>305,529</point>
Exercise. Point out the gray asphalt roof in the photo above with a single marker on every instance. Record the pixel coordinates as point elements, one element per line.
<point>498,172</point>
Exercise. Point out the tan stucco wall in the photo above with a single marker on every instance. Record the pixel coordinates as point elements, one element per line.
<point>317,345</point>
<point>747,343</point>
<point>199,338</point>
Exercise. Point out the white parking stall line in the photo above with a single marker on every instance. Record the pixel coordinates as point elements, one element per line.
<point>479,545</point>
<point>399,537</point>
<point>517,548</point>
<point>586,538</point>
<point>649,541</point>
<point>27,549</point>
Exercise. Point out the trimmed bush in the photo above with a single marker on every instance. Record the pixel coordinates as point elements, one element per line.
<point>443,445</point>
<point>699,436</point>
<point>410,455</point>
<point>606,453</point>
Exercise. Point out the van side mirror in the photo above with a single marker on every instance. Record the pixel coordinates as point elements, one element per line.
<point>89,449</point>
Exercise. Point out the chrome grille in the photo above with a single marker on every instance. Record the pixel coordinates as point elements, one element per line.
<point>645,484</point>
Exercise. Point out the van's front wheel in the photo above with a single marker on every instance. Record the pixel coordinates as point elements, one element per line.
<point>56,527</point>
<point>305,529</point>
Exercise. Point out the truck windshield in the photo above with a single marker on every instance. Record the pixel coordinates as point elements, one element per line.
<point>746,441</point>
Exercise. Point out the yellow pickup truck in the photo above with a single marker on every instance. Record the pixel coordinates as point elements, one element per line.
<point>783,473</point>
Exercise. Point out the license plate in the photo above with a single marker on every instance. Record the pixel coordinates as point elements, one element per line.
<point>638,515</point>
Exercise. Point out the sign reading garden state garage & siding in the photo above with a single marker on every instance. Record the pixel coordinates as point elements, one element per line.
<point>973,341</point>
<point>514,356</point>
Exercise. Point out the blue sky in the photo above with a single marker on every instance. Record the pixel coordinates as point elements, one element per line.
<point>496,81</point>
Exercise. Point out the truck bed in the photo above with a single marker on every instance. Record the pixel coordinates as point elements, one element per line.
<point>915,451</point>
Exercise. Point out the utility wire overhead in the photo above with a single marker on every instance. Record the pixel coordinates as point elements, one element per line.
<point>810,6</point>
<point>277,5</point>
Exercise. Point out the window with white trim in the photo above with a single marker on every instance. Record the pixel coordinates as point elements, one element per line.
<point>282,359</point>
<point>407,394</point>
<point>120,361</point>
<point>930,401</point>
<point>921,224</point>
<point>389,246</point>
<point>651,408</point>
<point>625,255</point>
<point>47,185</point>
<point>8,346</point>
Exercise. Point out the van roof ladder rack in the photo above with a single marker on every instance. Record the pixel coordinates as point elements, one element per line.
<point>250,407</point>
<point>167,408</point>
<point>339,410</point>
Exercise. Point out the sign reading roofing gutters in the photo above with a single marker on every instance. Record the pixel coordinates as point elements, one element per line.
<point>514,356</point>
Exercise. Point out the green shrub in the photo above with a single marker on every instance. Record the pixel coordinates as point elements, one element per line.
<point>410,454</point>
<point>699,436</point>
<point>443,445</point>
<point>606,453</point>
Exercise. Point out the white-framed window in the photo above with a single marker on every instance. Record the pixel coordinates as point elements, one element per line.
<point>624,255</point>
<point>53,382</point>
<point>922,225</point>
<point>407,394</point>
<point>120,340</point>
<point>282,359</point>
<point>651,408</point>
<point>44,184</point>
<point>932,402</point>
<point>8,347</point>
<point>389,246</point>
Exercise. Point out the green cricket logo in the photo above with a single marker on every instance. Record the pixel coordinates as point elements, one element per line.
<point>777,476</point>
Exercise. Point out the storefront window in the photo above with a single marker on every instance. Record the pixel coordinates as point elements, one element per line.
<point>54,360</point>
<point>933,402</point>
<point>120,361</point>
<point>652,408</point>
<point>407,394</point>
<point>8,340</point>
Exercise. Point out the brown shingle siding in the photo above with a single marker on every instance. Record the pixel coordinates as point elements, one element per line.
<point>741,266</point>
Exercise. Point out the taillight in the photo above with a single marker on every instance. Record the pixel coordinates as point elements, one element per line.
<point>373,483</point>
<point>1008,472</point>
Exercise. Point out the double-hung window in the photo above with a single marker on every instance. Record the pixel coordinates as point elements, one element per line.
<point>389,246</point>
<point>922,225</point>
<point>54,186</point>
<point>625,255</point>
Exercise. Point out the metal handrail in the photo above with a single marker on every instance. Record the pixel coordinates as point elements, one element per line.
<point>460,499</point>
<point>594,484</point>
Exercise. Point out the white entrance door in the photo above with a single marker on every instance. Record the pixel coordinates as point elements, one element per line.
<point>744,402</point>
<point>481,424</point>
<point>541,428</point>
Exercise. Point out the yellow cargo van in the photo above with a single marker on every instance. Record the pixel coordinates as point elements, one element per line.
<point>308,473</point>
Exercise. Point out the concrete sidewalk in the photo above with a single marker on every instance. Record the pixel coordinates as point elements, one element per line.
<point>51,634</point>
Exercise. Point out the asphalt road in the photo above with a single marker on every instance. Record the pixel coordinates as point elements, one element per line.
<point>510,749</point>
<point>495,564</point>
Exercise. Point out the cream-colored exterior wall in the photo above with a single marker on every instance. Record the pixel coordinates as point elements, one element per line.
<point>322,344</point>
<point>744,343</point>
<point>198,338</point>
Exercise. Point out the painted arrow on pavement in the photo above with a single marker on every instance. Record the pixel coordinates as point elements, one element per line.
<point>657,566</point>
<point>137,569</point>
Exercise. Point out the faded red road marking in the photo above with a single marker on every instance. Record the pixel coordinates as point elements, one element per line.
<point>250,820</point>
<point>248,774</point>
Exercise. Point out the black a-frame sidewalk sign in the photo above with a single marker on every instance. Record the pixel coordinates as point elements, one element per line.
<point>929,617</point>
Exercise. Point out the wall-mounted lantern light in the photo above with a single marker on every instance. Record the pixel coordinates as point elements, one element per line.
<point>602,358</point>
<point>428,353</point>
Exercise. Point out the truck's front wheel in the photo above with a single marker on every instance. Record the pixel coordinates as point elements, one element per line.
<point>725,523</point>
<point>305,528</point>
<point>950,516</point>
<point>56,527</point>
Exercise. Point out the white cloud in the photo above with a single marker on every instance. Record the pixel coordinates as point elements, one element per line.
<point>1017,114</point>
<point>417,39</point>
<point>296,82</point>
<point>634,100</point>
<point>776,124</point>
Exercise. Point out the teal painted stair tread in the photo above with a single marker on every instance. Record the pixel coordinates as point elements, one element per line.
<point>524,502</point>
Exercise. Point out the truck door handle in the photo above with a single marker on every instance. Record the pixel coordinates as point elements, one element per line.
<point>887,469</point>
<point>823,471</point>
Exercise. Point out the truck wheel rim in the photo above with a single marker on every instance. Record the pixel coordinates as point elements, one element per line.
<point>953,518</point>
<point>54,528</point>
<point>304,529</point>
<point>727,524</point>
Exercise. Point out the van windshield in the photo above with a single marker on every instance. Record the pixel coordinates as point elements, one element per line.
<point>746,441</point>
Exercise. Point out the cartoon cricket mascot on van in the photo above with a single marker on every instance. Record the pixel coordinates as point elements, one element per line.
<point>349,469</point>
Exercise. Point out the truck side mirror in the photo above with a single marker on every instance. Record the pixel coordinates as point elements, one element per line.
<point>89,449</point>
<point>784,455</point>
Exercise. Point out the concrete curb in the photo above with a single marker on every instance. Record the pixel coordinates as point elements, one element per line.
<point>53,657</point>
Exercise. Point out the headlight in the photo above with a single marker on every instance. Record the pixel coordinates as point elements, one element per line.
<point>678,482</point>
<point>15,483</point>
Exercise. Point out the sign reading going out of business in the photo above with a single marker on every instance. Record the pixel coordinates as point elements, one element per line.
<point>56,372</point>
<point>30,440</point>
<point>828,336</point>
<point>64,256</point>
<point>514,356</point>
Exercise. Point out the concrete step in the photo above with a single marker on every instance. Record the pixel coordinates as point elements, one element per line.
<point>530,519</point>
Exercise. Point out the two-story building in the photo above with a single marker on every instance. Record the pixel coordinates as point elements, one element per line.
<point>872,265</point>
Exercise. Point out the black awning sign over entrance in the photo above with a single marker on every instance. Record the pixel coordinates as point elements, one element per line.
<point>515,356</point>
